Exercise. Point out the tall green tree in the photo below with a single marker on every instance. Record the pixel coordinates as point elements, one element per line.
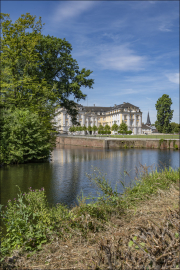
<point>123,128</point>
<point>38,72</point>
<point>164,114</point>
<point>89,128</point>
<point>100,128</point>
<point>94,128</point>
<point>107,127</point>
<point>114,127</point>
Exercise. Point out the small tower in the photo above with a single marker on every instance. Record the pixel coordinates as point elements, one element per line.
<point>148,123</point>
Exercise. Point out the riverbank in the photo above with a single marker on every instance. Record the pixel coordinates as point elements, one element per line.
<point>110,143</point>
<point>113,230</point>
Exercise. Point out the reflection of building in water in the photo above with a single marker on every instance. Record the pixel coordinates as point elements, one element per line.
<point>78,154</point>
<point>93,115</point>
<point>70,165</point>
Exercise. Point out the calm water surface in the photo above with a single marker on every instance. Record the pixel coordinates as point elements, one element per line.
<point>65,176</point>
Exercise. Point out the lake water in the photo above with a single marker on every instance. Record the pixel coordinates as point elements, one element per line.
<point>64,177</point>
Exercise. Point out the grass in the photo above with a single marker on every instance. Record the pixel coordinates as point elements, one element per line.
<point>33,226</point>
<point>166,137</point>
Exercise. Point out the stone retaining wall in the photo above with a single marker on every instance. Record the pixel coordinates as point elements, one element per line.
<point>118,143</point>
<point>80,141</point>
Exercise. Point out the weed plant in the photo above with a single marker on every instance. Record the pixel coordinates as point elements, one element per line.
<point>30,222</point>
<point>147,184</point>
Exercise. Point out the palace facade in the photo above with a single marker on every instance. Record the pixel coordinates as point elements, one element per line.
<point>94,115</point>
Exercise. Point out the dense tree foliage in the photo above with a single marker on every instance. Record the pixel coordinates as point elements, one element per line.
<point>38,73</point>
<point>123,128</point>
<point>100,128</point>
<point>114,127</point>
<point>94,128</point>
<point>164,114</point>
<point>175,127</point>
<point>89,128</point>
<point>24,137</point>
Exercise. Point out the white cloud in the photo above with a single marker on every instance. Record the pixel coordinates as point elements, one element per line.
<point>125,92</point>
<point>173,77</point>
<point>71,9</point>
<point>120,58</point>
<point>165,27</point>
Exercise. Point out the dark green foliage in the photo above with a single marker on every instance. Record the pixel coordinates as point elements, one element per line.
<point>84,128</point>
<point>25,138</point>
<point>107,127</point>
<point>123,128</point>
<point>94,128</point>
<point>175,145</point>
<point>114,127</point>
<point>72,129</point>
<point>29,221</point>
<point>38,71</point>
<point>38,75</point>
<point>100,129</point>
<point>89,128</point>
<point>164,114</point>
<point>175,127</point>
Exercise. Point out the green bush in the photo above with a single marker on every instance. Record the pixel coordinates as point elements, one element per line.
<point>25,137</point>
<point>29,222</point>
<point>72,129</point>
<point>89,128</point>
<point>26,220</point>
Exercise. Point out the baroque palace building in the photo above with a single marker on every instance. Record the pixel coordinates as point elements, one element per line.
<point>94,115</point>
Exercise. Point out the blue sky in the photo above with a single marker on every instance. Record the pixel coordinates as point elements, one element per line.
<point>132,47</point>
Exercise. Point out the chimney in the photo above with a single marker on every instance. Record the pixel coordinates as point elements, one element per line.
<point>114,105</point>
<point>94,105</point>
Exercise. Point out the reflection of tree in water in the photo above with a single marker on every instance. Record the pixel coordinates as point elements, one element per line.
<point>35,175</point>
<point>164,159</point>
<point>64,177</point>
<point>89,154</point>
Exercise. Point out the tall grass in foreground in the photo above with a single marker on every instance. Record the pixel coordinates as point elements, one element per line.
<point>30,221</point>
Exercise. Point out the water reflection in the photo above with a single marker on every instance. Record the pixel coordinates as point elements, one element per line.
<point>65,176</point>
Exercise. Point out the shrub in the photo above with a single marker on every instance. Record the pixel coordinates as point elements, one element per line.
<point>72,129</point>
<point>25,137</point>
<point>29,222</point>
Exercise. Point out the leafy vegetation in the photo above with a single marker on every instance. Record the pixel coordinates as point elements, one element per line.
<point>38,71</point>
<point>123,128</point>
<point>114,127</point>
<point>175,127</point>
<point>38,76</point>
<point>30,222</point>
<point>164,114</point>
<point>25,138</point>
<point>166,137</point>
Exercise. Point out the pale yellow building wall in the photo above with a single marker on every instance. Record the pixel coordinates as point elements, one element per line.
<point>120,118</point>
<point>61,118</point>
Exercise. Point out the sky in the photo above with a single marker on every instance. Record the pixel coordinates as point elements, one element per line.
<point>132,47</point>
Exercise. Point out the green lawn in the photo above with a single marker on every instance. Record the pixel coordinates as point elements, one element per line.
<point>169,136</point>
